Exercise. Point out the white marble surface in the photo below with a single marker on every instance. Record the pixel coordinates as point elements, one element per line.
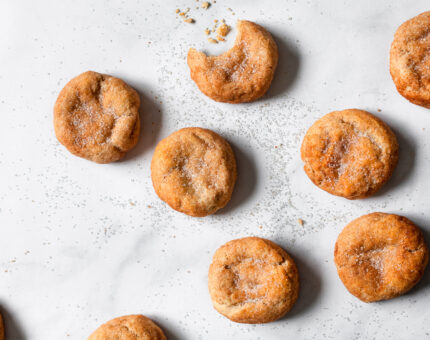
<point>82,243</point>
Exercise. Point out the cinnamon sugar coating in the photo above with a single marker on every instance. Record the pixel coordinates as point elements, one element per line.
<point>349,153</point>
<point>194,171</point>
<point>242,74</point>
<point>96,117</point>
<point>380,256</point>
<point>253,280</point>
<point>410,59</point>
<point>130,327</point>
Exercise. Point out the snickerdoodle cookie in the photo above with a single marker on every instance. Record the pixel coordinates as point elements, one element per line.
<point>96,117</point>
<point>410,59</point>
<point>194,171</point>
<point>242,74</point>
<point>349,153</point>
<point>253,280</point>
<point>380,256</point>
<point>130,327</point>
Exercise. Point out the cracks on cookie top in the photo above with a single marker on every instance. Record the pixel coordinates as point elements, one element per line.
<point>93,123</point>
<point>338,155</point>
<point>250,281</point>
<point>414,54</point>
<point>130,331</point>
<point>198,178</point>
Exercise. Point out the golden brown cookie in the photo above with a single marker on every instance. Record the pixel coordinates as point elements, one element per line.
<point>410,60</point>
<point>349,153</point>
<point>380,256</point>
<point>243,73</point>
<point>194,171</point>
<point>130,327</point>
<point>96,117</point>
<point>253,280</point>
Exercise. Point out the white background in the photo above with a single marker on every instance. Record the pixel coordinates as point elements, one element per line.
<point>82,243</point>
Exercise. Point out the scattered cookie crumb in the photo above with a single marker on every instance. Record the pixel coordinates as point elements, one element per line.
<point>149,206</point>
<point>300,221</point>
<point>222,31</point>
<point>260,226</point>
<point>177,11</point>
<point>379,110</point>
<point>207,31</point>
<point>212,41</point>
<point>132,203</point>
<point>206,5</point>
<point>189,20</point>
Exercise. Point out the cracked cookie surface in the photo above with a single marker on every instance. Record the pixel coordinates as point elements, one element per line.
<point>380,256</point>
<point>96,117</point>
<point>410,59</point>
<point>243,73</point>
<point>253,280</point>
<point>349,153</point>
<point>129,327</point>
<point>194,171</point>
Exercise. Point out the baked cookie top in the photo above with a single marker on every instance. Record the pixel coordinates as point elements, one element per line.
<point>96,117</point>
<point>380,256</point>
<point>130,327</point>
<point>243,73</point>
<point>194,171</point>
<point>410,59</point>
<point>253,280</point>
<point>349,153</point>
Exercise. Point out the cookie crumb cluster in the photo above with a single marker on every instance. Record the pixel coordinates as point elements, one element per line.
<point>184,15</point>
<point>222,32</point>
<point>220,28</point>
<point>219,31</point>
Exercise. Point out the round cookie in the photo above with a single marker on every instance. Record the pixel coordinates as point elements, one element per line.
<point>410,60</point>
<point>96,117</point>
<point>130,327</point>
<point>380,256</point>
<point>243,73</point>
<point>349,153</point>
<point>253,280</point>
<point>194,171</point>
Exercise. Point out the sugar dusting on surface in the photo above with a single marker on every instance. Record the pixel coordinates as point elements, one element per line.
<point>237,64</point>
<point>374,258</point>
<point>202,170</point>
<point>355,157</point>
<point>251,280</point>
<point>93,123</point>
